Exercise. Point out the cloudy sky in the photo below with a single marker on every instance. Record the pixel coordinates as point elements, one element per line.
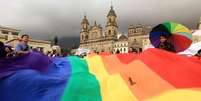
<point>45,18</point>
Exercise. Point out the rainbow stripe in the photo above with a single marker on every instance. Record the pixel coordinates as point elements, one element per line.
<point>82,86</point>
<point>153,75</point>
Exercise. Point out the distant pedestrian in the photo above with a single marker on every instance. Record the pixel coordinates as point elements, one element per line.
<point>48,53</point>
<point>9,51</point>
<point>135,51</point>
<point>54,53</point>
<point>198,54</point>
<point>65,54</point>
<point>117,52</point>
<point>132,50</point>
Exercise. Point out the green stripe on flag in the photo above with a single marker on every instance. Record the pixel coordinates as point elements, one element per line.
<point>82,86</point>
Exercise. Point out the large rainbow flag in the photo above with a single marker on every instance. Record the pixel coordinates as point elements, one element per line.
<point>154,75</point>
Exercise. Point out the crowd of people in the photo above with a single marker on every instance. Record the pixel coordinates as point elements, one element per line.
<point>23,48</point>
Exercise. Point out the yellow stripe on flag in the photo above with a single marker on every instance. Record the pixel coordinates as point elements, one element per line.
<point>113,87</point>
<point>178,95</point>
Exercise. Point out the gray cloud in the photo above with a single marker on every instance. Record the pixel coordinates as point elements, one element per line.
<point>46,18</point>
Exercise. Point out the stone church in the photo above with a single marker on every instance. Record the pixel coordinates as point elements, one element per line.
<point>106,39</point>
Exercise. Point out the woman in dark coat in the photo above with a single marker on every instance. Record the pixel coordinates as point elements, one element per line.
<point>165,45</point>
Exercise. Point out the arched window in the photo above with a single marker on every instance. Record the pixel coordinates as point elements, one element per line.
<point>114,31</point>
<point>139,30</point>
<point>110,20</point>
<point>109,32</point>
<point>135,40</point>
<point>135,30</point>
<point>86,37</point>
<point>140,49</point>
<point>82,37</point>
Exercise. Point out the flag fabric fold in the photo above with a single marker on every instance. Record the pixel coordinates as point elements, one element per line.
<point>153,75</point>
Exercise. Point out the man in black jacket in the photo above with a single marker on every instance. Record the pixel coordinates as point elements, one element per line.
<point>2,50</point>
<point>198,54</point>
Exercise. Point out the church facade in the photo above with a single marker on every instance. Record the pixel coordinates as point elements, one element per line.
<point>101,39</point>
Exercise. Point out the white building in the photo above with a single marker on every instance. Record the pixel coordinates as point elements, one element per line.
<point>121,45</point>
<point>197,36</point>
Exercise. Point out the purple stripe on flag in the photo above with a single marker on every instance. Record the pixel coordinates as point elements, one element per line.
<point>33,60</point>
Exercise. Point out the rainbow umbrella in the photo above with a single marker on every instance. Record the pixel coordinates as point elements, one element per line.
<point>178,35</point>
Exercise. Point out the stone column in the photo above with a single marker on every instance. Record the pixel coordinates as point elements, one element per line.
<point>0,32</point>
<point>199,24</point>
